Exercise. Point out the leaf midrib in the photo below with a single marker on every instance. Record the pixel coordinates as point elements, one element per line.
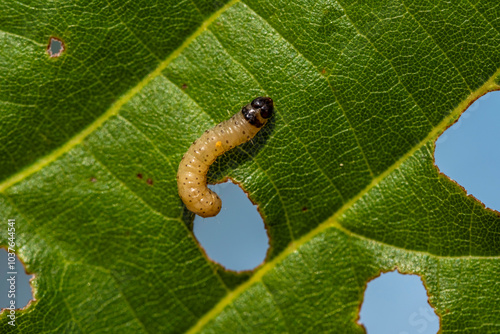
<point>332,221</point>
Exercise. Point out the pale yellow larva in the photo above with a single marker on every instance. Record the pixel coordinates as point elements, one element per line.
<point>193,168</point>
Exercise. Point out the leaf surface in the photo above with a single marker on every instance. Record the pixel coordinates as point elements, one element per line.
<point>343,174</point>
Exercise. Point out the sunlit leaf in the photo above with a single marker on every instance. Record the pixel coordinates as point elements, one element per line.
<point>91,139</point>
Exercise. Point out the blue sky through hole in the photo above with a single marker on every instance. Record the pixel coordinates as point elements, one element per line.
<point>236,237</point>
<point>23,288</point>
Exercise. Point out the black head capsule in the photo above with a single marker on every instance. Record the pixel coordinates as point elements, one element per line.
<point>258,111</point>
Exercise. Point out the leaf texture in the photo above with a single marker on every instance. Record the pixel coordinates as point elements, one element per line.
<point>344,173</point>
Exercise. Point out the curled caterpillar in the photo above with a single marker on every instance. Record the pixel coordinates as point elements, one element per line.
<point>193,168</point>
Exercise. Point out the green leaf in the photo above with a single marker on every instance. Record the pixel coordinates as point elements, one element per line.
<point>344,174</point>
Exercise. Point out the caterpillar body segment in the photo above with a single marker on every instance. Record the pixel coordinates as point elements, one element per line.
<point>193,168</point>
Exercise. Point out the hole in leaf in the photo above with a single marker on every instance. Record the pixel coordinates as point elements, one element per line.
<point>236,238</point>
<point>397,303</point>
<point>55,47</point>
<point>14,283</point>
<point>468,151</point>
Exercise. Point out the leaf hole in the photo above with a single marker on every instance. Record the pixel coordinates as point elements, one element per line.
<point>236,238</point>
<point>397,303</point>
<point>468,151</point>
<point>15,288</point>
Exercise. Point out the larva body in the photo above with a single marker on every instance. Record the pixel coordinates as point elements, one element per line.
<point>193,168</point>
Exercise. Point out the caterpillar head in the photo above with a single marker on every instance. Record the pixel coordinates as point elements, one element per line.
<point>258,111</point>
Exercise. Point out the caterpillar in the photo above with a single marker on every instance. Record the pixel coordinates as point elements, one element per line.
<point>193,168</point>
